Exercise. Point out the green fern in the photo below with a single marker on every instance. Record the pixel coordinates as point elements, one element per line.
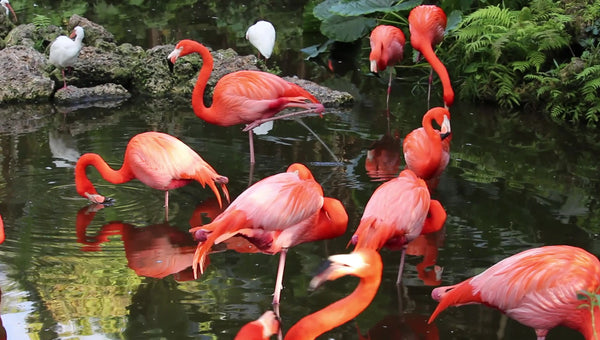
<point>41,21</point>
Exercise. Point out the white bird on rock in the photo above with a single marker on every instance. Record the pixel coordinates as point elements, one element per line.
<point>8,8</point>
<point>64,51</point>
<point>262,36</point>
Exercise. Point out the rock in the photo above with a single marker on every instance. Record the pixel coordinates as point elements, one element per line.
<point>34,37</point>
<point>94,33</point>
<point>327,96</point>
<point>104,64</point>
<point>22,75</point>
<point>101,95</point>
<point>151,74</point>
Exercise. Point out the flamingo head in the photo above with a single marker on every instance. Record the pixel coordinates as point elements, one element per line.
<point>301,170</point>
<point>8,8</point>
<point>363,263</point>
<point>441,115</point>
<point>184,47</point>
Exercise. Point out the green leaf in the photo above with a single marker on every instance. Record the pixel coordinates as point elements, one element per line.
<point>322,11</point>
<point>347,29</point>
<point>363,7</point>
<point>314,50</point>
<point>454,20</point>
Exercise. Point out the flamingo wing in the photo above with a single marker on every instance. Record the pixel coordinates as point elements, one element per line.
<point>537,287</point>
<point>254,95</point>
<point>397,208</point>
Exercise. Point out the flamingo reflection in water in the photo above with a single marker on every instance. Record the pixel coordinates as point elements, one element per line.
<point>427,245</point>
<point>384,157</point>
<point>154,251</point>
<point>401,327</point>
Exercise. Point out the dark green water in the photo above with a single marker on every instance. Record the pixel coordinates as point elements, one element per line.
<point>512,183</point>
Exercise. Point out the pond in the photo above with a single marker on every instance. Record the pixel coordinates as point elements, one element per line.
<point>67,271</point>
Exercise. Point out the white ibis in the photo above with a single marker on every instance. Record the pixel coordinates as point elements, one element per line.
<point>262,36</point>
<point>64,51</point>
<point>8,8</point>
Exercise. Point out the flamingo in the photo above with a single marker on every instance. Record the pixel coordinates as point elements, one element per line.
<point>427,150</point>
<point>537,287</point>
<point>427,24</point>
<point>276,213</point>
<point>260,329</point>
<point>262,36</point>
<point>8,8</point>
<point>244,97</point>
<point>362,263</point>
<point>158,160</point>
<point>398,211</point>
<point>64,51</point>
<point>387,49</point>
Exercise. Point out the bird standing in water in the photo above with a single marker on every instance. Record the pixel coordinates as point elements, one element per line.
<point>387,49</point>
<point>398,211</point>
<point>64,51</point>
<point>426,149</point>
<point>538,287</point>
<point>244,97</point>
<point>158,160</point>
<point>275,214</point>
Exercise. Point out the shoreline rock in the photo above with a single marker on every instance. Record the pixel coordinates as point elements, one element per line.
<point>29,77</point>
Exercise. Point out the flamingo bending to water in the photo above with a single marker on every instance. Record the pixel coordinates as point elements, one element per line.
<point>260,329</point>
<point>538,287</point>
<point>244,97</point>
<point>427,150</point>
<point>427,24</point>
<point>387,49</point>
<point>64,51</point>
<point>276,213</point>
<point>158,160</point>
<point>398,211</point>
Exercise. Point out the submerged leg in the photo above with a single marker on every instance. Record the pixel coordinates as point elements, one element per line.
<point>166,205</point>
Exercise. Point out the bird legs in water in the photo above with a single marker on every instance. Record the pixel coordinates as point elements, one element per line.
<point>279,280</point>
<point>314,108</point>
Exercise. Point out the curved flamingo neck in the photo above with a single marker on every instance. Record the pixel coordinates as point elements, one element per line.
<point>436,218</point>
<point>581,320</point>
<point>435,151</point>
<point>84,185</point>
<point>200,109</point>
<point>427,52</point>
<point>336,313</point>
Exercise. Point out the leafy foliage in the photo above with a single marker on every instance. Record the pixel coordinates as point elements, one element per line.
<point>592,300</point>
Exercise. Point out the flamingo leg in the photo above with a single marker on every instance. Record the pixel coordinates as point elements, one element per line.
<point>429,88</point>
<point>389,90</point>
<point>279,280</point>
<point>251,141</point>
<point>166,205</point>
<point>401,267</point>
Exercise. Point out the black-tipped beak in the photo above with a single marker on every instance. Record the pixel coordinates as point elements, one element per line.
<point>321,277</point>
<point>445,135</point>
<point>108,202</point>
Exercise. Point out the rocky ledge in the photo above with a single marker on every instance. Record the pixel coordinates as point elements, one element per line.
<point>106,71</point>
